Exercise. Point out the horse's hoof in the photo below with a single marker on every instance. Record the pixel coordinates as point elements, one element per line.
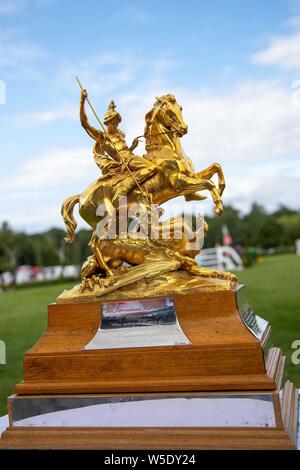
<point>219,210</point>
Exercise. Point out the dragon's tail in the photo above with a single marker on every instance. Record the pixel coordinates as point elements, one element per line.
<point>67,213</point>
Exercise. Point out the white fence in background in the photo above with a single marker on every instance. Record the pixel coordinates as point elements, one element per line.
<point>48,273</point>
<point>26,274</point>
<point>224,258</point>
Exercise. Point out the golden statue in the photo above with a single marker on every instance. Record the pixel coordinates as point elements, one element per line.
<point>148,262</point>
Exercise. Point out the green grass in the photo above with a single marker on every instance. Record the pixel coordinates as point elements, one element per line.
<point>23,318</point>
<point>273,290</point>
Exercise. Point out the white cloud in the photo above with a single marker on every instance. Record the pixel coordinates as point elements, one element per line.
<point>254,122</point>
<point>100,74</point>
<point>269,184</point>
<point>16,54</point>
<point>64,113</point>
<point>105,73</point>
<point>24,215</point>
<point>34,194</point>
<point>56,168</point>
<point>18,57</point>
<point>282,51</point>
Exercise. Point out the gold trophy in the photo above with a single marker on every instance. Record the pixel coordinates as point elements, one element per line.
<point>151,350</point>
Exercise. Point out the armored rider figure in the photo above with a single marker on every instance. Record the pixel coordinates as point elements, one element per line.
<point>111,151</point>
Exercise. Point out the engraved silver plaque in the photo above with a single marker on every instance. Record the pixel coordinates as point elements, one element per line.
<point>138,323</point>
<point>257,325</point>
<point>197,410</point>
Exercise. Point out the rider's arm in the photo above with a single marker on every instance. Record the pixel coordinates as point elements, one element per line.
<point>92,131</point>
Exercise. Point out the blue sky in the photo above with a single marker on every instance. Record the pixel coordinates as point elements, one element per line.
<point>233,65</point>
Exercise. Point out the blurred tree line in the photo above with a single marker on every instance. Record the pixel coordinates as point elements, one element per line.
<point>41,249</point>
<point>255,228</point>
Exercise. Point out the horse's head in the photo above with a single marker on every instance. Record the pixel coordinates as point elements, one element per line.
<point>169,113</point>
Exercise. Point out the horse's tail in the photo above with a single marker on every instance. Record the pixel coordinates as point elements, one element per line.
<point>67,213</point>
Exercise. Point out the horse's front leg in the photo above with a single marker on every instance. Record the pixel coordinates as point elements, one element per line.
<point>210,186</point>
<point>209,172</point>
<point>186,185</point>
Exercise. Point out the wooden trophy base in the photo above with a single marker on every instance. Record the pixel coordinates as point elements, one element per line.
<point>210,389</point>
<point>173,421</point>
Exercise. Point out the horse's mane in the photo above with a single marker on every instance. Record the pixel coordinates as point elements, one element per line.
<point>158,104</point>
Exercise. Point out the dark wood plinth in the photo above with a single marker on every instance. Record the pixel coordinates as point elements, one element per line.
<point>223,354</point>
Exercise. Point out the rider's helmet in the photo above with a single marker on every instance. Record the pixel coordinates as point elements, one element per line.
<point>112,114</point>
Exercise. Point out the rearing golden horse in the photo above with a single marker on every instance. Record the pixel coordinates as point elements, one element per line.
<point>174,176</point>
